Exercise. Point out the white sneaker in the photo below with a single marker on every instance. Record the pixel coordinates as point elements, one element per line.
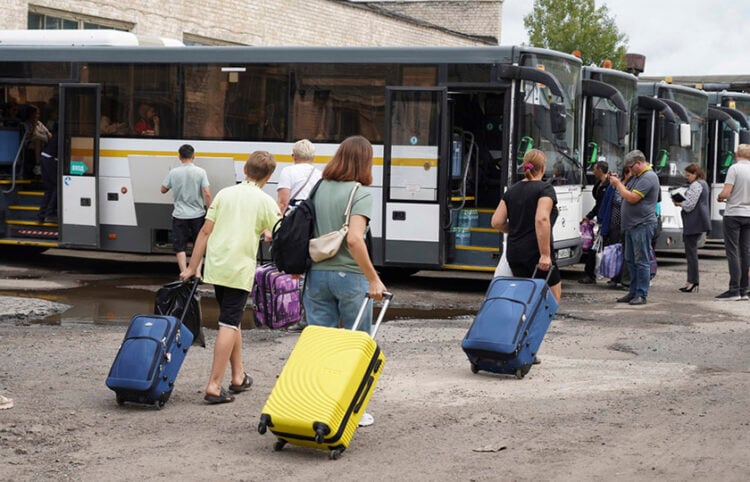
<point>6,403</point>
<point>366,420</point>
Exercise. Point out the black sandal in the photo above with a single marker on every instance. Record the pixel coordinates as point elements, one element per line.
<point>247,382</point>
<point>222,397</point>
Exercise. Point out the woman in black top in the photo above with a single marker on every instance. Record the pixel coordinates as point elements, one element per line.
<point>527,212</point>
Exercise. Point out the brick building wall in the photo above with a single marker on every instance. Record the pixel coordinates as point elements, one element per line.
<point>259,22</point>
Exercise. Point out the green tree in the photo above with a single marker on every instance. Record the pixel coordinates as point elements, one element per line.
<point>570,25</point>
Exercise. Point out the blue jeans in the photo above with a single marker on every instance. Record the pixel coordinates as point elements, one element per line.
<point>333,298</point>
<point>637,248</point>
<point>737,247</point>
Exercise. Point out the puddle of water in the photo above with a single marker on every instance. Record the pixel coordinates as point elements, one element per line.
<point>115,302</point>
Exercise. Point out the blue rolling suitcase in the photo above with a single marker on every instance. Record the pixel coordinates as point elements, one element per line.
<point>510,325</point>
<point>149,359</point>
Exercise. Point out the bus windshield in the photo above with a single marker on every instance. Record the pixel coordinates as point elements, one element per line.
<point>535,114</point>
<point>671,169</point>
<point>604,120</point>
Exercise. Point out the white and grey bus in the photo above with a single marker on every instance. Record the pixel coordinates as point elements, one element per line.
<point>729,113</point>
<point>672,133</point>
<point>610,102</point>
<point>449,126</point>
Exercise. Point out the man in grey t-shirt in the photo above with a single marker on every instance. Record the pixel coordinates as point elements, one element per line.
<point>736,193</point>
<point>638,224</point>
<point>189,184</point>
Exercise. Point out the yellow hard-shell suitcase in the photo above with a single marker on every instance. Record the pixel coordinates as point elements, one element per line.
<point>325,386</point>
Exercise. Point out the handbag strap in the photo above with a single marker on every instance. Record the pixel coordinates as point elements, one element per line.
<point>294,196</point>
<point>348,211</point>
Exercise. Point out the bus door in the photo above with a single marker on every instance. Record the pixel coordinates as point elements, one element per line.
<point>412,173</point>
<point>79,165</point>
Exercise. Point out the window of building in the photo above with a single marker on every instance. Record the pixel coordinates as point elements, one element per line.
<point>42,18</point>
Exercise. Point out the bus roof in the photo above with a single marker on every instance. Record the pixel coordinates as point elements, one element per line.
<point>81,38</point>
<point>240,54</point>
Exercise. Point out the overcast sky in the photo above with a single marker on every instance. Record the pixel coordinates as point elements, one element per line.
<point>678,37</point>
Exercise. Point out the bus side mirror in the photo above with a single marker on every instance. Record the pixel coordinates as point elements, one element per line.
<point>685,135</point>
<point>744,137</point>
<point>557,118</point>
<point>673,132</point>
<point>623,125</point>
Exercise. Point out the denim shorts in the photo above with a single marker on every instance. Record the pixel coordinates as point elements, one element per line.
<point>333,298</point>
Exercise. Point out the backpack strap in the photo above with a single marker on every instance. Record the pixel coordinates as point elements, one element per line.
<point>293,196</point>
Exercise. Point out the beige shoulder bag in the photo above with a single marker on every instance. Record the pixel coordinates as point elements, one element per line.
<point>326,246</point>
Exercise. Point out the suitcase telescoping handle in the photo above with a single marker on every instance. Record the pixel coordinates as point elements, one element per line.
<point>193,290</point>
<point>387,297</point>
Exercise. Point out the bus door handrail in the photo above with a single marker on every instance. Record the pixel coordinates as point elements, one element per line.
<point>465,175</point>
<point>15,161</point>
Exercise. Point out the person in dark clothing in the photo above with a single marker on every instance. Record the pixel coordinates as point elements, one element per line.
<point>527,212</point>
<point>48,160</point>
<point>601,168</point>
<point>696,220</point>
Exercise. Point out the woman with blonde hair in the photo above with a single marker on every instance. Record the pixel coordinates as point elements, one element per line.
<point>527,212</point>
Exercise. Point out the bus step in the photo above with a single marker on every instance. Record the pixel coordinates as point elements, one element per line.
<point>33,231</point>
<point>29,242</point>
<point>468,267</point>
<point>485,237</point>
<point>29,198</point>
<point>475,256</point>
<point>23,213</point>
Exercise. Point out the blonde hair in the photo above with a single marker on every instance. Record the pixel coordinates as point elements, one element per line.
<point>743,151</point>
<point>303,150</point>
<point>533,163</point>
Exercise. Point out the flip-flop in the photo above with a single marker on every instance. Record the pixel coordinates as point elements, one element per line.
<point>247,382</point>
<point>222,397</point>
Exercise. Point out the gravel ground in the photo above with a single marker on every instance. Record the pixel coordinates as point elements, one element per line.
<point>658,392</point>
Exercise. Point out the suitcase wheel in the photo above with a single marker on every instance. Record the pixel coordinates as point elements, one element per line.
<point>160,404</point>
<point>265,422</point>
<point>120,400</point>
<point>522,371</point>
<point>279,445</point>
<point>336,453</point>
<point>474,368</point>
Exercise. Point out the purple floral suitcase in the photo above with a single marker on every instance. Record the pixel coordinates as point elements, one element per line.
<point>276,298</point>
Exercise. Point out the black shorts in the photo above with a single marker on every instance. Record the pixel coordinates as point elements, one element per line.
<point>185,231</point>
<point>526,270</point>
<point>231,305</point>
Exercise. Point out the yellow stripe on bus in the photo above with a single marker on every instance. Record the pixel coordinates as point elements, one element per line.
<point>412,162</point>
<point>240,157</point>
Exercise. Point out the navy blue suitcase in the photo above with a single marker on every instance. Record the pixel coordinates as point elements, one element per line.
<point>510,325</point>
<point>149,359</point>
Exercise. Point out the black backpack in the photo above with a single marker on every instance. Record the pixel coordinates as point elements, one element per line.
<point>291,237</point>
